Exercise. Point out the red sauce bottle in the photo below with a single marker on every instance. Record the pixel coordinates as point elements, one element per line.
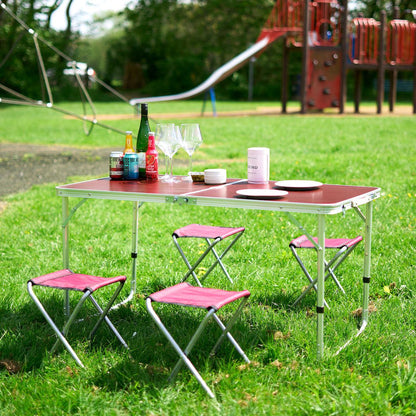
<point>152,169</point>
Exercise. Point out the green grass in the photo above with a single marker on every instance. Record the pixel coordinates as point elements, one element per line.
<point>375,375</point>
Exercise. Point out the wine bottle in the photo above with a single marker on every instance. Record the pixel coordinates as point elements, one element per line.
<point>143,141</point>
<point>152,173</point>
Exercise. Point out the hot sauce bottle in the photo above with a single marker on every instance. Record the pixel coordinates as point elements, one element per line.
<point>152,169</point>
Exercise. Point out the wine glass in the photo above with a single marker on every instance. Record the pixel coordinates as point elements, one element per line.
<point>161,144</point>
<point>191,140</point>
<point>169,143</point>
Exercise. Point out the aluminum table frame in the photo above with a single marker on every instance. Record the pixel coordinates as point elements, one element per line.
<point>326,200</point>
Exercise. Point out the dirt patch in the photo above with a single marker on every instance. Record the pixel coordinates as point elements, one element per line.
<point>22,166</point>
<point>259,111</point>
<point>365,110</point>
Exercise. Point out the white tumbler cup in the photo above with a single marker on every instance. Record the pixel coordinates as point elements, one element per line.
<point>258,165</point>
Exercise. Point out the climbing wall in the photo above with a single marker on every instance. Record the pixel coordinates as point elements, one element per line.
<point>324,78</point>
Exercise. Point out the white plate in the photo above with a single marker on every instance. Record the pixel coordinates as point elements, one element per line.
<point>262,193</point>
<point>296,185</point>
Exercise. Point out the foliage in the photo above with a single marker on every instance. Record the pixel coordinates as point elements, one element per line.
<point>19,65</point>
<point>179,44</point>
<point>374,375</point>
<point>372,8</point>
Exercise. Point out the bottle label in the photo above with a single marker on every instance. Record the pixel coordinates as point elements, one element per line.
<point>142,160</point>
<point>152,168</point>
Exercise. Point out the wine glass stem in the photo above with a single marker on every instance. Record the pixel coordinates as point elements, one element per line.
<point>190,163</point>
<point>166,165</point>
<point>171,167</point>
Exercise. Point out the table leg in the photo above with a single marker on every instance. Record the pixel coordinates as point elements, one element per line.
<point>65,232</point>
<point>135,226</point>
<point>134,239</point>
<point>66,217</point>
<point>366,272</point>
<point>320,285</point>
<point>367,263</point>
<point>65,247</point>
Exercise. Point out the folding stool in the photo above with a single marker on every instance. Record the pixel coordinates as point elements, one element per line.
<point>212,235</point>
<point>344,246</point>
<point>68,280</point>
<point>212,300</point>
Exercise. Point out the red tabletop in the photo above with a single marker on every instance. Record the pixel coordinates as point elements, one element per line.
<point>324,195</point>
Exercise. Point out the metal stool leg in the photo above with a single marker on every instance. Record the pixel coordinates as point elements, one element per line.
<point>226,329</point>
<point>184,358</point>
<point>312,281</point>
<point>198,262</point>
<point>60,335</point>
<point>212,236</point>
<point>103,316</point>
<point>219,258</point>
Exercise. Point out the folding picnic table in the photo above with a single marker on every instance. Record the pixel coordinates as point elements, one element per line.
<point>326,200</point>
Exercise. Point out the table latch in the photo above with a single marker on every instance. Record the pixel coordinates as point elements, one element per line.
<point>181,200</point>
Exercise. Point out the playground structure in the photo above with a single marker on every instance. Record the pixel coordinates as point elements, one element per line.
<point>331,46</point>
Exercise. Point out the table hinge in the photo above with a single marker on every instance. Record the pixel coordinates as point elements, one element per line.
<point>181,200</point>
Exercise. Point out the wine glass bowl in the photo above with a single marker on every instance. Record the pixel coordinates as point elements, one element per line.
<point>168,140</point>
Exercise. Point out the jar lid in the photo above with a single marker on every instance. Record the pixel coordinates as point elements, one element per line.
<point>215,171</point>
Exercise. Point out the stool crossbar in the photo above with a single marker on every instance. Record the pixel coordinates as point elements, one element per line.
<point>212,235</point>
<point>212,300</point>
<point>344,247</point>
<point>70,281</point>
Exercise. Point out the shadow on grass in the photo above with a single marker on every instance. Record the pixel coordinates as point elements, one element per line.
<point>152,358</point>
<point>283,300</point>
<point>26,338</point>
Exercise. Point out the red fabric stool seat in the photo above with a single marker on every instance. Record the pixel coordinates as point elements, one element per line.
<point>88,284</point>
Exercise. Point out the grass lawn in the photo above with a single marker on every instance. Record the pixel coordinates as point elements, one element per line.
<point>374,375</point>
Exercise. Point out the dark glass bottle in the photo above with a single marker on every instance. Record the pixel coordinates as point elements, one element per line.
<point>143,141</point>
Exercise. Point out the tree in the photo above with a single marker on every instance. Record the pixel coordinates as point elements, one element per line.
<point>19,66</point>
<point>178,44</point>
